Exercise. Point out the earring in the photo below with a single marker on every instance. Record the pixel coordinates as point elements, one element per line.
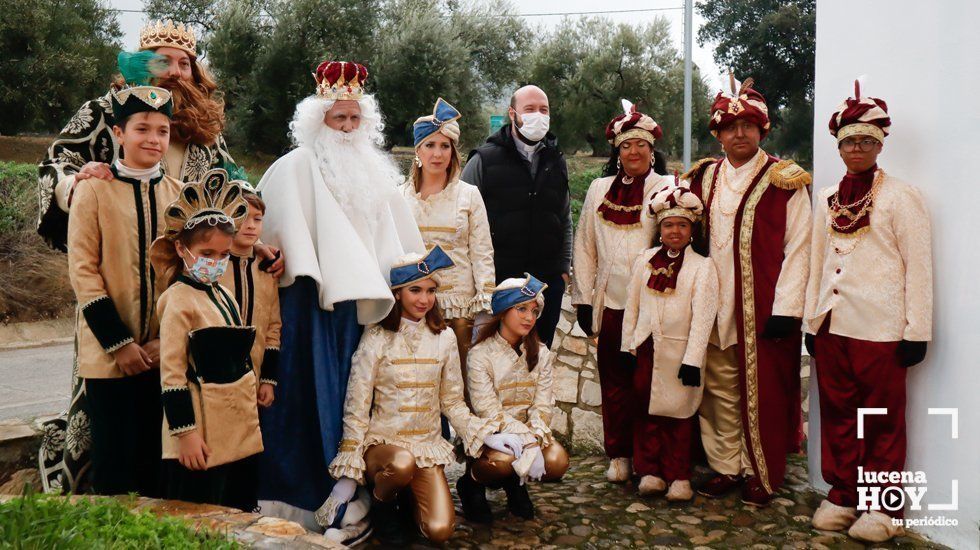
<point>619,164</point>
<point>418,161</point>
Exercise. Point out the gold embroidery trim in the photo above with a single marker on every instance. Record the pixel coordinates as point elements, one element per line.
<point>619,225</point>
<point>430,246</point>
<point>348,445</point>
<point>622,208</point>
<point>513,385</point>
<point>437,228</point>
<point>444,287</point>
<point>413,432</point>
<point>415,385</point>
<point>415,361</point>
<point>414,409</point>
<point>516,402</point>
<point>749,325</point>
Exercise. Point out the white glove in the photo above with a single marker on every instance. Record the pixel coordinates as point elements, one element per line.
<point>341,493</point>
<point>505,443</point>
<point>536,472</point>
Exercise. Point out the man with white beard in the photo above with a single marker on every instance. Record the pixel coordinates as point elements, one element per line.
<point>333,209</point>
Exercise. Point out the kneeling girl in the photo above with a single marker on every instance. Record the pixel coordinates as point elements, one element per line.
<point>509,379</point>
<point>404,375</point>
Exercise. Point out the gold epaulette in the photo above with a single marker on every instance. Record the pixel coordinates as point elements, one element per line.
<point>697,167</point>
<point>786,174</point>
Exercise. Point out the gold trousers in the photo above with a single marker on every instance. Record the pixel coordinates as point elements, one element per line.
<point>391,469</point>
<point>463,328</point>
<point>493,466</point>
<point>721,414</point>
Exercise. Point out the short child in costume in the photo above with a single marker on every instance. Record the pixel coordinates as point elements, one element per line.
<point>510,378</point>
<point>211,421</point>
<point>868,314</point>
<point>406,374</point>
<point>612,231</point>
<point>112,224</point>
<point>451,214</point>
<point>257,294</point>
<point>671,307</point>
<point>757,224</point>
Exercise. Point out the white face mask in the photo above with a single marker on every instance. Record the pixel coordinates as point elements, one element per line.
<point>535,126</point>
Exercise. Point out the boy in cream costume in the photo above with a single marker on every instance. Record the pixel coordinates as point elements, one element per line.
<point>868,314</point>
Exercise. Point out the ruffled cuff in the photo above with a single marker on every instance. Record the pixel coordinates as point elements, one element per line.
<point>348,464</point>
<point>179,408</point>
<point>454,305</point>
<point>541,431</point>
<point>105,323</point>
<point>480,303</point>
<point>480,428</point>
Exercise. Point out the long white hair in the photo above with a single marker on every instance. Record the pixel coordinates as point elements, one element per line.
<point>307,124</point>
<point>354,165</point>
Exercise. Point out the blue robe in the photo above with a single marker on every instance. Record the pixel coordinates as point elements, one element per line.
<point>303,428</point>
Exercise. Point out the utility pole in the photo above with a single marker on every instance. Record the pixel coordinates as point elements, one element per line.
<point>688,48</point>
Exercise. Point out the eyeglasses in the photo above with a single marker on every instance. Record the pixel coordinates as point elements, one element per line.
<point>865,145</point>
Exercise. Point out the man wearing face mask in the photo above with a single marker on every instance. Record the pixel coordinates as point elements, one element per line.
<point>522,176</point>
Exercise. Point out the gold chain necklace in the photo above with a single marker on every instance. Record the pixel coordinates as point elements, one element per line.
<point>866,203</point>
<point>716,201</point>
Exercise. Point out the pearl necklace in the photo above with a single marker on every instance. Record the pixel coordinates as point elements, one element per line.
<point>673,253</point>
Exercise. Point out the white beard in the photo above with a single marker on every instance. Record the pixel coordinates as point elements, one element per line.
<point>358,174</point>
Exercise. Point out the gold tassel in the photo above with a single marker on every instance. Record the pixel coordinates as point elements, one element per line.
<point>786,174</point>
<point>689,175</point>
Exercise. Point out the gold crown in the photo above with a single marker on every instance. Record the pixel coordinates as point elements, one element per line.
<point>212,200</point>
<point>160,34</point>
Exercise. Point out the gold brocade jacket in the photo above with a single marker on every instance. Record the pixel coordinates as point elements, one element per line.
<point>456,220</point>
<point>400,383</point>
<point>257,295</point>
<point>503,389</point>
<point>111,227</point>
<point>877,282</point>
<point>604,252</point>
<point>185,307</point>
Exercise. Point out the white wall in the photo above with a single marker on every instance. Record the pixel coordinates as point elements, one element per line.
<point>923,58</point>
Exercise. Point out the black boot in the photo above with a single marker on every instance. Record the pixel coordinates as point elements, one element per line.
<point>518,501</point>
<point>387,523</point>
<point>473,497</point>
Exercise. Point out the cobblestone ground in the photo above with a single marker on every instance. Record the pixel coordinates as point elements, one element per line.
<point>585,511</point>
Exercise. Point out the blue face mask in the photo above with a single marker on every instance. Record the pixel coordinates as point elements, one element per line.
<point>207,270</point>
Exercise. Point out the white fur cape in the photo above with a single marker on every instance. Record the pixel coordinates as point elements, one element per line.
<point>348,259</point>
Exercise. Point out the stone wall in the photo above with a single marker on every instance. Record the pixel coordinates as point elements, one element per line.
<point>577,421</point>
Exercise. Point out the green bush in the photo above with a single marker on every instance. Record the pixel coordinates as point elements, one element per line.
<point>43,521</point>
<point>578,186</point>
<point>18,197</point>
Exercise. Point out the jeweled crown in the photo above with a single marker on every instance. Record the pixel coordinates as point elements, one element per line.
<point>159,34</point>
<point>339,80</point>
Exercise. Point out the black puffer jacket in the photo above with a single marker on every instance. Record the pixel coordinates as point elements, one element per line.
<point>528,214</point>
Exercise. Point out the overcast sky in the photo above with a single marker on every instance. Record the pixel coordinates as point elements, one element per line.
<point>131,22</point>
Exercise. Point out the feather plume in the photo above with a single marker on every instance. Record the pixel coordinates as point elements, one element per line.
<point>860,84</point>
<point>628,107</point>
<point>733,83</point>
<point>139,68</point>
